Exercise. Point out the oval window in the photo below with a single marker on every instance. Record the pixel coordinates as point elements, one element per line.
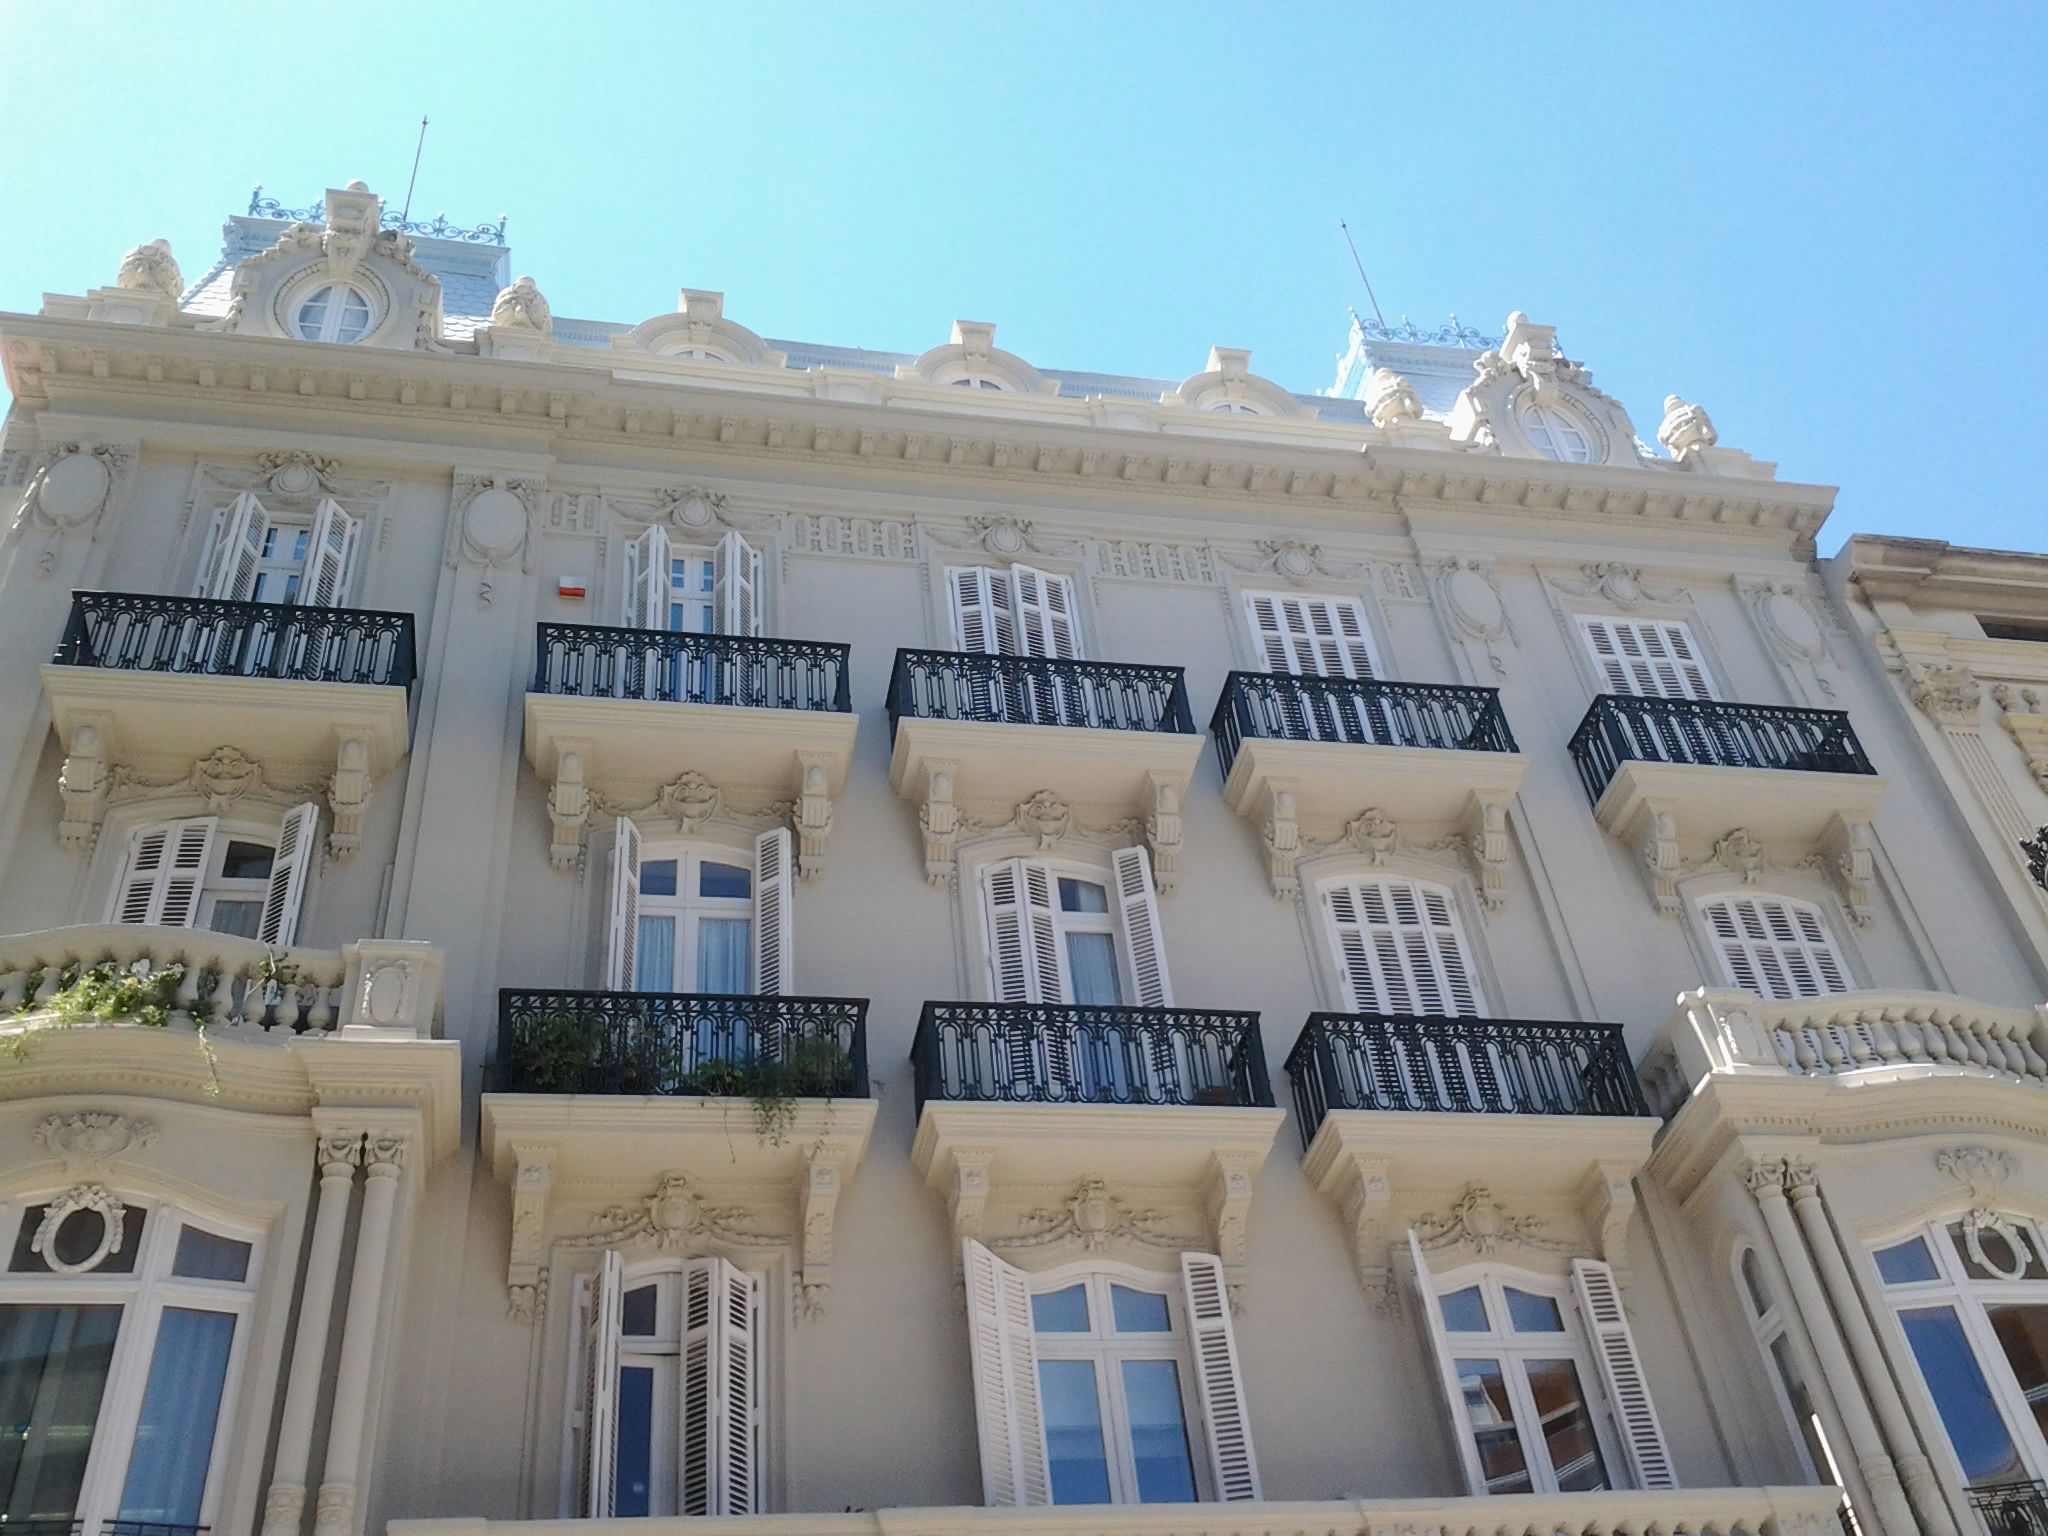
<point>335,312</point>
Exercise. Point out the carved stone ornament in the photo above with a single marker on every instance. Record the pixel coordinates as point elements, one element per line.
<point>1092,1218</point>
<point>491,524</point>
<point>1947,692</point>
<point>1293,560</point>
<point>521,307</point>
<point>1046,817</point>
<point>1483,1225</point>
<point>79,1198</point>
<point>676,1219</point>
<point>692,507</point>
<point>73,487</point>
<point>223,776</point>
<point>818,1203</point>
<point>152,269</point>
<point>1685,429</point>
<point>1389,398</point>
<point>690,801</point>
<point>93,1139</point>
<point>1373,833</point>
<point>2020,709</point>
<point>1742,853</point>
<point>526,1268</point>
<point>1983,1171</point>
<point>1471,599</point>
<point>294,472</point>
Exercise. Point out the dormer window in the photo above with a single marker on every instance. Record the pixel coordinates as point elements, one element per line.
<point>338,312</point>
<point>1557,431</point>
<point>978,381</point>
<point>1235,408</point>
<point>697,354</point>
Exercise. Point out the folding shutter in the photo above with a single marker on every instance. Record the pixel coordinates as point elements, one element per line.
<point>1218,1381</point>
<point>237,546</point>
<point>1138,926</point>
<point>735,587</point>
<point>1014,1469</point>
<point>1400,948</point>
<point>1775,947</point>
<point>1446,1371</point>
<point>161,877</point>
<point>982,618</point>
<point>1025,963</point>
<point>288,869</point>
<point>773,942</point>
<point>331,557</point>
<point>647,580</point>
<point>1651,658</point>
<point>604,1303</point>
<point>736,1390</point>
<point>1621,1372</point>
<point>1315,636</point>
<point>1047,617</point>
<point>622,917</point>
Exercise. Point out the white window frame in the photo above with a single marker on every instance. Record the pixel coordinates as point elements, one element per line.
<point>770,907</point>
<point>170,873</point>
<point>1316,646</point>
<point>1646,658</point>
<point>689,909</point>
<point>1772,965</point>
<point>1132,918</point>
<point>732,598</point>
<point>1014,610</point>
<point>1438,964</point>
<point>1539,419</point>
<point>142,1294</point>
<point>1768,1326</point>
<point>340,292</point>
<point>235,558</point>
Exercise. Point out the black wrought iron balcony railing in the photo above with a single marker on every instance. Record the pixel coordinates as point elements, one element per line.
<point>1033,690</point>
<point>210,637</point>
<point>681,1043</point>
<point>1284,706</point>
<point>1084,1053</point>
<point>1622,728</point>
<point>1418,1062</point>
<point>596,661</point>
<point>2012,1509</point>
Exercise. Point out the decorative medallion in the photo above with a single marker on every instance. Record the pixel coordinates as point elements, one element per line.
<point>1093,1218</point>
<point>675,1219</point>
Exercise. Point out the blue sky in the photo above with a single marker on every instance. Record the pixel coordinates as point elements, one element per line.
<point>1823,222</point>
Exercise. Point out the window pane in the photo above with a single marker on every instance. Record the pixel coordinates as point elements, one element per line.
<point>2023,1334</point>
<point>1567,1426</point>
<point>1487,1410</point>
<point>246,861</point>
<point>1753,1282</point>
<point>1073,1432</point>
<point>1138,1311</point>
<point>658,877</point>
<point>633,1467</point>
<point>1464,1311</point>
<point>1530,1313</point>
<point>1159,1432</point>
<point>1794,1382</point>
<point>654,962</point>
<point>53,1369</point>
<point>1082,896</point>
<point>75,1241</point>
<point>1091,968</point>
<point>636,1317</point>
<point>1906,1263</point>
<point>242,919</point>
<point>2003,1260</point>
<point>204,1255</point>
<point>1060,1311</point>
<point>724,880</point>
<point>725,954</point>
<point>180,1412</point>
<point>1956,1383</point>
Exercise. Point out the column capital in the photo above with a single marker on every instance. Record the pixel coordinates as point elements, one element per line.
<point>1765,1177</point>
<point>338,1153</point>
<point>385,1153</point>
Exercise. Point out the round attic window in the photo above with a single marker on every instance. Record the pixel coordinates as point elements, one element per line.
<point>977,381</point>
<point>1234,408</point>
<point>335,312</point>
<point>1558,431</point>
<point>695,354</point>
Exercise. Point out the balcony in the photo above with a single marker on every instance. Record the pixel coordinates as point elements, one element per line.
<point>761,1102</point>
<point>2012,1509</point>
<point>1674,778</point>
<point>1028,739</point>
<point>1418,1112</point>
<point>153,683</point>
<point>1014,1098</point>
<point>642,714</point>
<point>1319,753</point>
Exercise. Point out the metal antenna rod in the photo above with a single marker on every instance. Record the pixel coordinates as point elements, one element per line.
<point>418,148</point>
<point>1361,274</point>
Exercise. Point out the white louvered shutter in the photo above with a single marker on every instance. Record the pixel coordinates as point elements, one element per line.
<point>774,943</point>
<point>1775,947</point>
<point>718,1412</point>
<point>1217,1379</point>
<point>1025,961</point>
<point>1315,636</point>
<point>1621,1372</point>
<point>1047,617</point>
<point>289,866</point>
<point>622,915</point>
<point>604,1304</point>
<point>237,546</point>
<point>1014,1469</point>
<point>1400,948</point>
<point>166,866</point>
<point>983,621</point>
<point>1651,658</point>
<point>735,587</point>
<point>1138,928</point>
<point>330,557</point>
<point>1452,1393</point>
<point>647,580</point>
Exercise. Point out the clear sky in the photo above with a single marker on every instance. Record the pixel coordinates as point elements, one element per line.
<point>1825,223</point>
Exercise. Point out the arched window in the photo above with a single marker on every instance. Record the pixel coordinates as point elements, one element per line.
<point>196,873</point>
<point>1399,947</point>
<point>1557,431</point>
<point>1774,946</point>
<point>339,312</point>
<point>1788,1379</point>
<point>122,1327</point>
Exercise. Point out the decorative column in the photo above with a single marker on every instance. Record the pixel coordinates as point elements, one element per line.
<point>1921,1484</point>
<point>1766,1179</point>
<point>338,1153</point>
<point>337,1513</point>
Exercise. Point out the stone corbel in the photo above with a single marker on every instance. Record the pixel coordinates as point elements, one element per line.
<point>568,804</point>
<point>1846,847</point>
<point>813,814</point>
<point>526,1269</point>
<point>348,795</point>
<point>967,1197</point>
<point>1282,837</point>
<point>1486,838</point>
<point>1607,1199</point>
<point>1163,832</point>
<point>818,1204</point>
<point>1654,837</point>
<point>1364,1195</point>
<point>940,819</point>
<point>2021,711</point>
<point>83,783</point>
<point>1230,1201</point>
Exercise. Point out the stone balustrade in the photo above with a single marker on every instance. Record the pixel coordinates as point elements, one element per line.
<point>377,988</point>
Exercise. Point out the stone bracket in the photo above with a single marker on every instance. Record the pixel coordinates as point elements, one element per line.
<point>348,794</point>
<point>1229,1204</point>
<point>1486,839</point>
<point>1163,832</point>
<point>1282,837</point>
<point>1845,845</point>
<point>1607,1199</point>
<point>568,804</point>
<point>967,1194</point>
<point>83,782</point>
<point>813,813</point>
<point>1654,837</point>
<point>1364,1194</point>
<point>526,1270</point>
<point>817,1206</point>
<point>939,817</point>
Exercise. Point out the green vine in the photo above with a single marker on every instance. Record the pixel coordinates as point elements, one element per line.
<point>110,993</point>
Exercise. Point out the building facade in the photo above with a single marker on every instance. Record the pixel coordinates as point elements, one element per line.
<point>632,920</point>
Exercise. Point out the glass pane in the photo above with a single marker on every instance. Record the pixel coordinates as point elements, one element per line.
<point>1530,1313</point>
<point>74,1248</point>
<point>654,961</point>
<point>1060,1311</point>
<point>1753,1282</point>
<point>633,1467</point>
<point>1794,1382</point>
<point>1139,1311</point>
<point>1906,1262</point>
<point>1956,1383</point>
<point>1567,1426</point>
<point>2023,1334</point>
<point>1073,1432</point>
<point>246,861</point>
<point>53,1369</point>
<point>180,1412</point>
<point>636,1317</point>
<point>1082,896</point>
<point>658,877</point>
<point>204,1255</point>
<point>1485,1391</point>
<point>1091,969</point>
<point>724,880</point>
<point>1159,1432</point>
<point>725,954</point>
<point>2003,1259</point>
<point>1464,1311</point>
<point>243,919</point>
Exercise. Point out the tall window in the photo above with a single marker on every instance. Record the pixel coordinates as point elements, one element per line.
<point>255,557</point>
<point>1311,636</point>
<point>1399,947</point>
<point>1649,658</point>
<point>1972,1299</point>
<point>1788,1378</point>
<point>1060,933</point>
<point>193,873</point>
<point>692,591</point>
<point>1774,946</point>
<point>1105,1385</point>
<point>1014,611</point>
<point>696,918</point>
<point>120,1336</point>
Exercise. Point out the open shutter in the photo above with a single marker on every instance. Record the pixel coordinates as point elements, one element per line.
<point>647,580</point>
<point>1138,926</point>
<point>1400,948</point>
<point>1621,1372</point>
<point>622,917</point>
<point>160,880</point>
<point>237,546</point>
<point>736,586</point>
<point>331,557</point>
<point>982,617</point>
<point>1048,620</point>
<point>1453,1394</point>
<point>1650,658</point>
<point>288,869</point>
<point>1024,946</point>
<point>1315,636</point>
<point>603,1304</point>
<point>773,944</point>
<point>718,1417</point>
<point>1014,1469</point>
<point>1217,1378</point>
<point>1775,947</point>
